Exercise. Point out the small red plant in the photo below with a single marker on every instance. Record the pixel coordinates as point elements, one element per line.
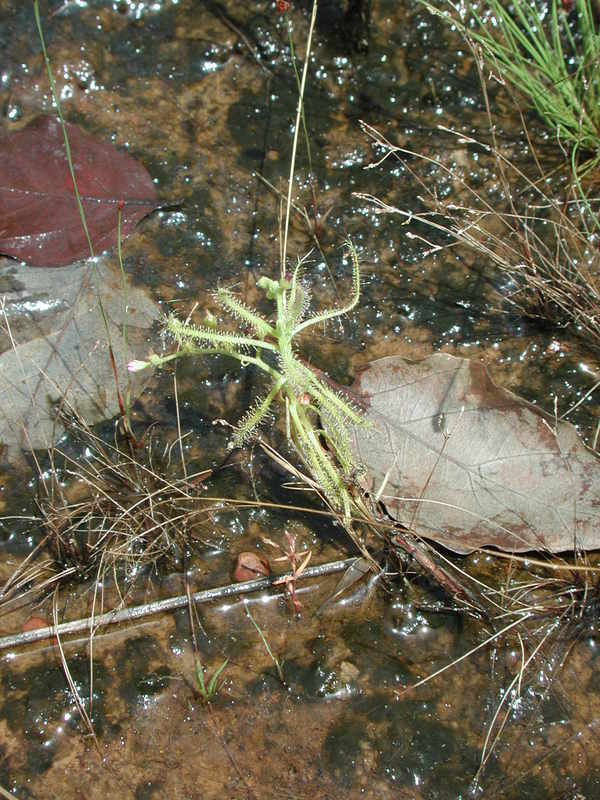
<point>292,557</point>
<point>282,6</point>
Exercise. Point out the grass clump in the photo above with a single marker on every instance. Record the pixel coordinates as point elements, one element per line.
<point>543,233</point>
<point>549,52</point>
<point>118,512</point>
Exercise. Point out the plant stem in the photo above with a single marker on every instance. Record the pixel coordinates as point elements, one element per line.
<point>38,22</point>
<point>288,206</point>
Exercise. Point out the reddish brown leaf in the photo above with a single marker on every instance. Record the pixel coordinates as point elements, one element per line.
<point>34,623</point>
<point>39,217</point>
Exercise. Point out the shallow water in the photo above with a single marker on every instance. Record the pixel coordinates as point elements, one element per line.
<point>205,96</point>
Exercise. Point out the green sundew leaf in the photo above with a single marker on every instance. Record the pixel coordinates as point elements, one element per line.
<point>337,434</point>
<point>240,310</point>
<point>331,401</point>
<point>338,312</point>
<point>295,278</point>
<point>293,370</point>
<point>184,331</point>
<point>313,455</point>
<point>298,305</point>
<point>247,426</point>
<point>324,470</point>
<point>269,286</point>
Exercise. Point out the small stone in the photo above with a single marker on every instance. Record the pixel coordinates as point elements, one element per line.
<point>250,566</point>
<point>34,623</point>
<point>348,672</point>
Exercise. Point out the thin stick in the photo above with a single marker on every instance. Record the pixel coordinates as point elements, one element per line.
<point>171,603</point>
<point>54,93</point>
<point>461,658</point>
<point>76,697</point>
<point>295,142</point>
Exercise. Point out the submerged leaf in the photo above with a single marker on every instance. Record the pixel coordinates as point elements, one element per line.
<point>463,462</point>
<point>53,345</point>
<point>39,217</point>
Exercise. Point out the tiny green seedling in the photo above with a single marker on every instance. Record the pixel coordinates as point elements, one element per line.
<point>209,691</point>
<point>271,347</point>
<point>272,656</point>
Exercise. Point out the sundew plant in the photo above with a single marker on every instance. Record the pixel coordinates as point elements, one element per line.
<point>306,396</point>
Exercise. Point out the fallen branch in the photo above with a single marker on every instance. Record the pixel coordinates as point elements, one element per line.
<point>159,606</point>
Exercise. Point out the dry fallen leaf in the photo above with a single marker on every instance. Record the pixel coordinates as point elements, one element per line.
<point>54,346</point>
<point>466,463</point>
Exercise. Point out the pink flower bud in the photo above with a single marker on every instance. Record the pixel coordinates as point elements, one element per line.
<point>137,366</point>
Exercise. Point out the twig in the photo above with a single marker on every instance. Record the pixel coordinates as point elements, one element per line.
<point>71,683</point>
<point>470,652</point>
<point>410,545</point>
<point>171,603</point>
<point>229,24</point>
